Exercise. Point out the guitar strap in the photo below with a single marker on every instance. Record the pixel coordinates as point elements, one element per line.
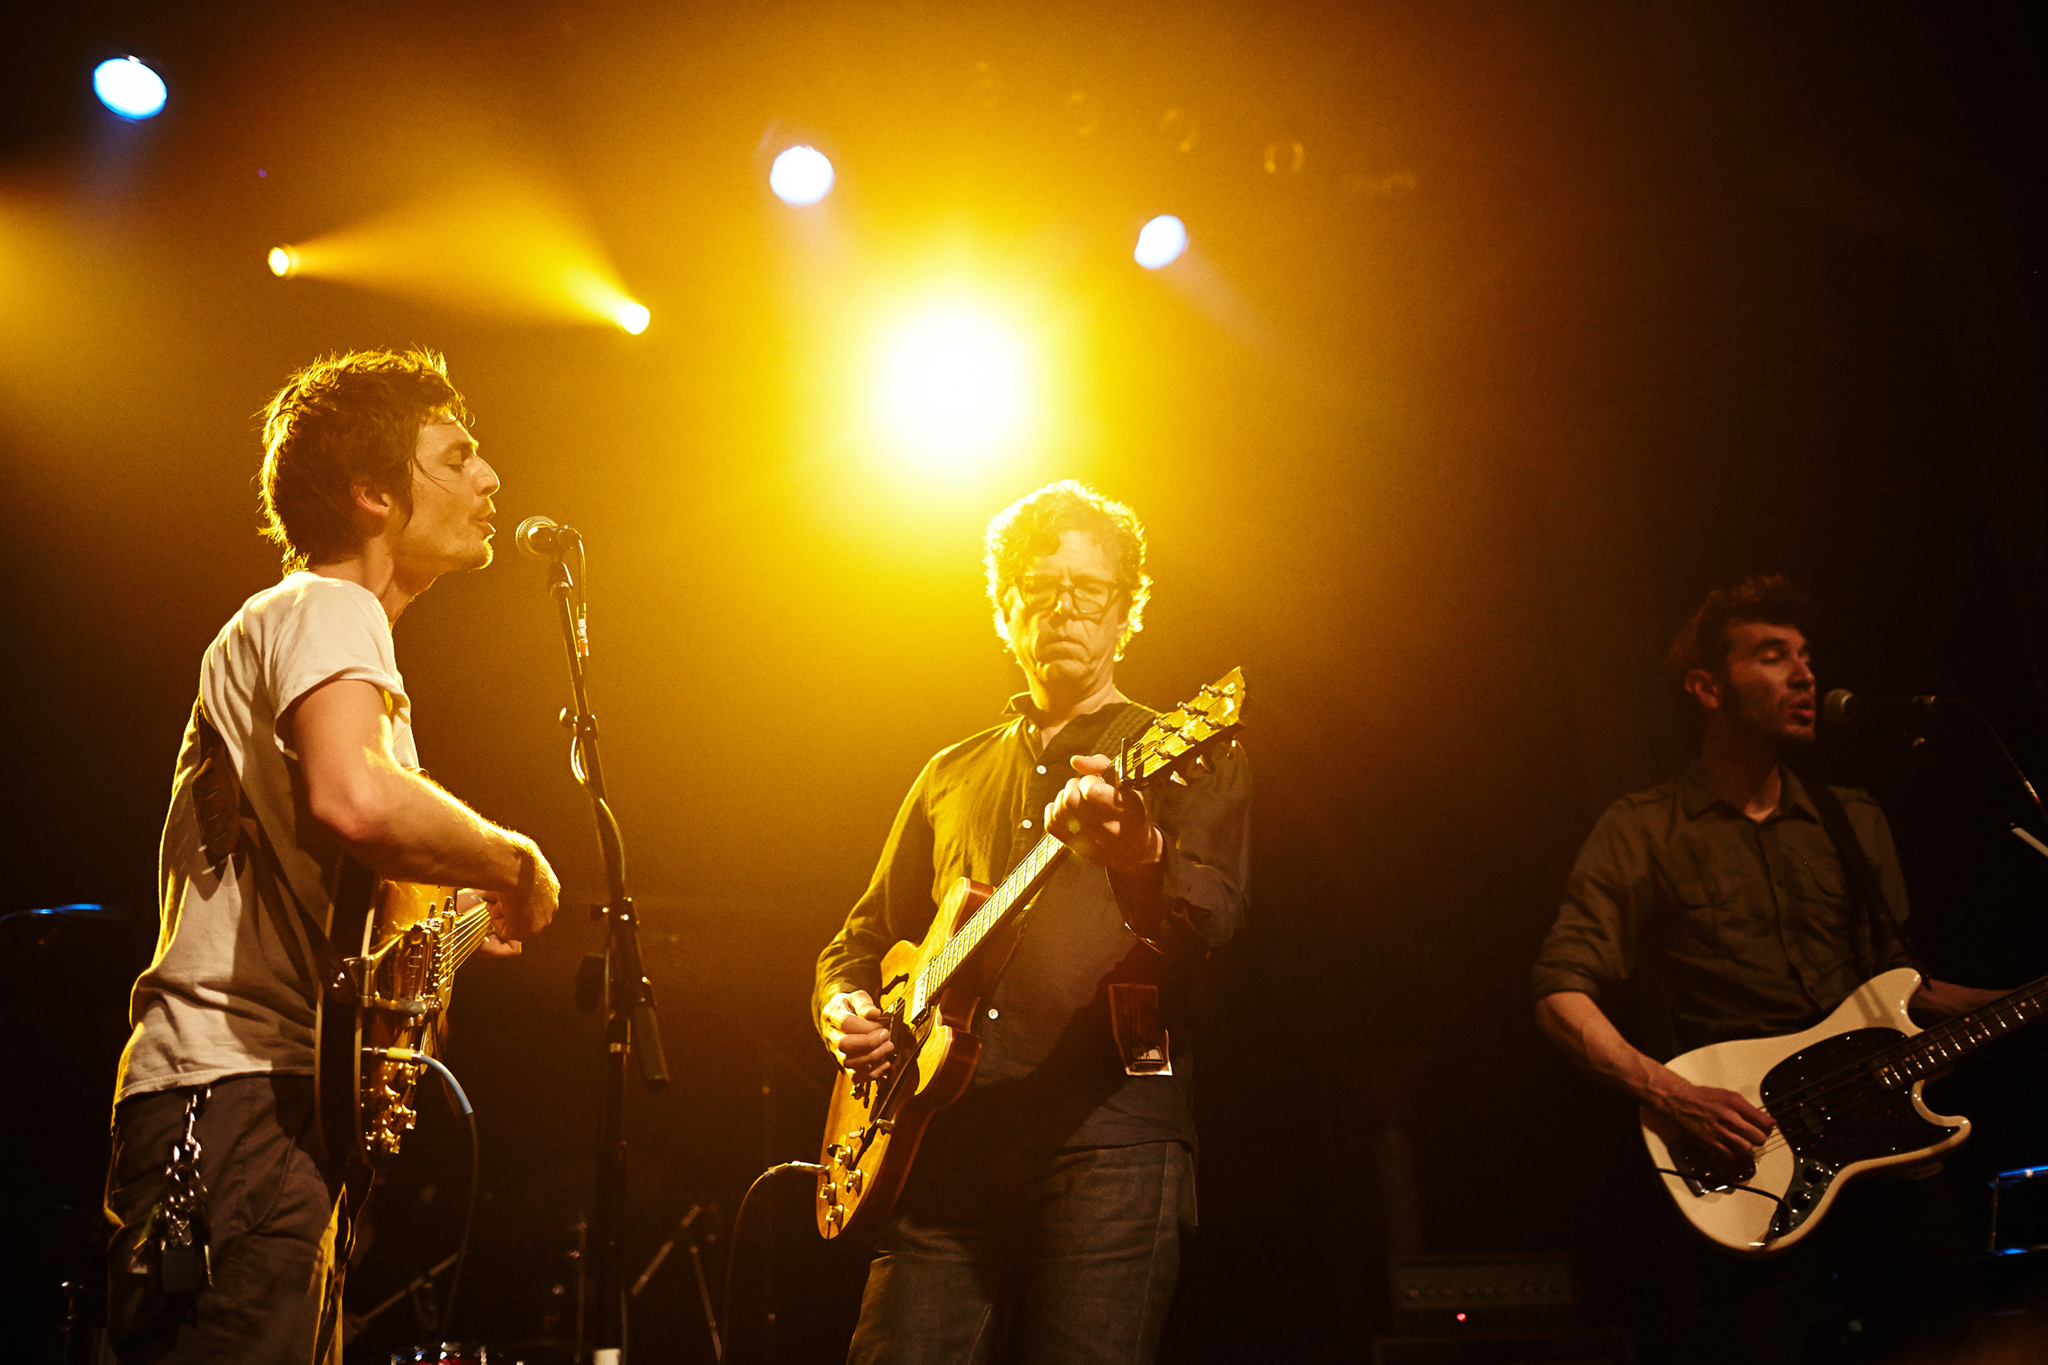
<point>1878,916</point>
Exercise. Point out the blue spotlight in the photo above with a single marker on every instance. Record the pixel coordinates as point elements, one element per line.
<point>1160,242</point>
<point>800,176</point>
<point>129,88</point>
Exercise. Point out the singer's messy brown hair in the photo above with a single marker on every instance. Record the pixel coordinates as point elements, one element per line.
<point>346,421</point>
<point>1030,528</point>
<point>1703,641</point>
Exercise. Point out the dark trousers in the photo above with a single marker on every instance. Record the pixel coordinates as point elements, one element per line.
<point>1896,1252</point>
<point>273,1210</point>
<point>1066,1255</point>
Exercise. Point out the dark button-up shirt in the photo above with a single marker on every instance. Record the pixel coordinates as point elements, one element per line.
<point>1050,1072</point>
<point>1751,927</point>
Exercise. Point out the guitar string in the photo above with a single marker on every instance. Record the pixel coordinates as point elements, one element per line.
<point>982,922</point>
<point>1930,1045</point>
<point>1849,1087</point>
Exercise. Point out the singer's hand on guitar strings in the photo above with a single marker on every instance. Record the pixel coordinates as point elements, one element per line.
<point>1720,1120</point>
<point>496,943</point>
<point>858,1034</point>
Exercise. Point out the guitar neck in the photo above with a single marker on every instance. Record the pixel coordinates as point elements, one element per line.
<point>1017,888</point>
<point>466,936</point>
<point>1946,1044</point>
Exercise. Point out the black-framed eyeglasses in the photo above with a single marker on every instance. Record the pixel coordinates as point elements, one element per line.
<point>1084,598</point>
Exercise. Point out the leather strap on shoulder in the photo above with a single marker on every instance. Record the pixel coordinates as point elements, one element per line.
<point>1877,909</point>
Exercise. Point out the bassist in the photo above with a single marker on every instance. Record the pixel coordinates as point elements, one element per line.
<point>1044,1216</point>
<point>299,756</point>
<point>1729,890</point>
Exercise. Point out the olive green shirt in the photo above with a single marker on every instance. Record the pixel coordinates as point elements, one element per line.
<point>1744,928</point>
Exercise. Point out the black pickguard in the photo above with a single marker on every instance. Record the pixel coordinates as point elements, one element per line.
<point>1860,1119</point>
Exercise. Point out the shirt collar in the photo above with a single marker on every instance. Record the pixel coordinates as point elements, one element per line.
<point>1087,724</point>
<point>1696,797</point>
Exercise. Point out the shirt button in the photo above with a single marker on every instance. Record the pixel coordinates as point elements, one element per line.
<point>1041,767</point>
<point>1027,824</point>
<point>991,1014</point>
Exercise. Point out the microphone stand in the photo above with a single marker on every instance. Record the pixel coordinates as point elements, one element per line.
<point>627,1000</point>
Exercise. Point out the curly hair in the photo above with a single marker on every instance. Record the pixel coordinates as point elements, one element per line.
<point>1703,641</point>
<point>1030,528</point>
<point>345,420</point>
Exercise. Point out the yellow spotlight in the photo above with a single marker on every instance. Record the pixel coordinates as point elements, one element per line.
<point>954,384</point>
<point>284,262</point>
<point>633,318</point>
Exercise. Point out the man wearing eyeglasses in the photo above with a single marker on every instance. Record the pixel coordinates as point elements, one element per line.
<point>1044,1216</point>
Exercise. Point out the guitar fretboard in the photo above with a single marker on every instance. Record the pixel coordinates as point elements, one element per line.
<point>1167,740</point>
<point>1946,1044</point>
<point>1024,878</point>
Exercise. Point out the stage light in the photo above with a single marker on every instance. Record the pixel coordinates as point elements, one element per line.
<point>954,385</point>
<point>503,244</point>
<point>800,176</point>
<point>1161,242</point>
<point>129,88</point>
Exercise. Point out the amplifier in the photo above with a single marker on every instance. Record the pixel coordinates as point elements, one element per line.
<point>2019,1211</point>
<point>1480,1293</point>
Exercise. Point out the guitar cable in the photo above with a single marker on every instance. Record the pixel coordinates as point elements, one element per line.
<point>1746,1189</point>
<point>732,1249</point>
<point>411,1056</point>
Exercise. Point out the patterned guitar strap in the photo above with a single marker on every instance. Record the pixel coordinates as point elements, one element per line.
<point>229,829</point>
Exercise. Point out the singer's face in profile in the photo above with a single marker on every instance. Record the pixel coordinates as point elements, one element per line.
<point>1768,683</point>
<point>450,526</point>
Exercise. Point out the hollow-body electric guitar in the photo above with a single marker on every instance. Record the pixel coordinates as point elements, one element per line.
<point>873,1127</point>
<point>402,943</point>
<point>1846,1098</point>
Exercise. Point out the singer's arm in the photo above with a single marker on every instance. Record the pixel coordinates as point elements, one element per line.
<point>400,824</point>
<point>1715,1118</point>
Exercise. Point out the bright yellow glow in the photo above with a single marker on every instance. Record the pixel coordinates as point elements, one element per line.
<point>500,244</point>
<point>954,384</point>
<point>633,318</point>
<point>282,262</point>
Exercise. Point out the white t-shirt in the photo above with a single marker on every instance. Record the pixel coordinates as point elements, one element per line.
<point>232,988</point>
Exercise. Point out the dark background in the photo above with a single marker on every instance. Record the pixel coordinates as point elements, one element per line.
<point>1570,312</point>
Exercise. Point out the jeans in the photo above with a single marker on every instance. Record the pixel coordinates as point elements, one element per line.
<point>1908,1277</point>
<point>273,1205</point>
<point>1029,1257</point>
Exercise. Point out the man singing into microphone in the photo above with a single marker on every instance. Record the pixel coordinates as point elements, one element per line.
<point>299,755</point>
<point>1727,889</point>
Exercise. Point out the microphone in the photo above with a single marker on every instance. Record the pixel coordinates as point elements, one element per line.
<point>1843,707</point>
<point>542,538</point>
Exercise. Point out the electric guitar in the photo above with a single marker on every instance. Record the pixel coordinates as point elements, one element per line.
<point>1846,1098</point>
<point>873,1127</point>
<point>402,944</point>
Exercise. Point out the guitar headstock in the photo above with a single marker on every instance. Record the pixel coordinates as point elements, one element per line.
<point>1186,731</point>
